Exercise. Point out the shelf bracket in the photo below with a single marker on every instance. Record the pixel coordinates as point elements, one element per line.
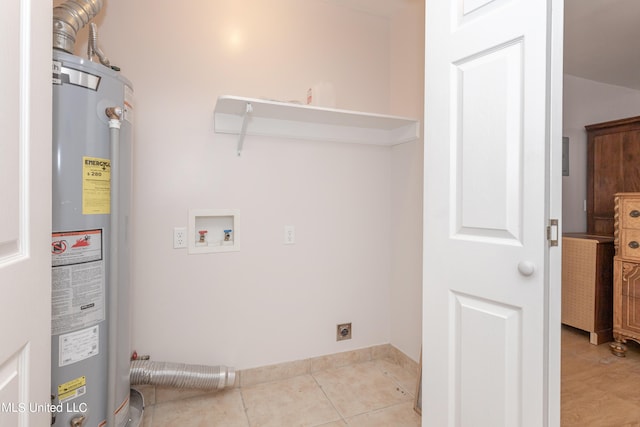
<point>243,130</point>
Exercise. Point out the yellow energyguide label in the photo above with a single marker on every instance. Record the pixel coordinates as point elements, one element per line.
<point>96,186</point>
<point>73,388</point>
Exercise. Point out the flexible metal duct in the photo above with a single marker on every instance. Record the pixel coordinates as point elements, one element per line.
<point>93,49</point>
<point>69,18</point>
<point>180,375</point>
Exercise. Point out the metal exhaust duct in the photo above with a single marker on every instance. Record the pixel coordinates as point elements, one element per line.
<point>93,49</point>
<point>181,375</point>
<point>69,18</point>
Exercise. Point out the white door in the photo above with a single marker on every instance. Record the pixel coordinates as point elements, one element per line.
<point>25,212</point>
<point>492,183</point>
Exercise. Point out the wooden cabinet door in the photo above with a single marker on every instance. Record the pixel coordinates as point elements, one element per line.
<point>607,151</point>
<point>612,167</point>
<point>630,298</point>
<point>630,172</point>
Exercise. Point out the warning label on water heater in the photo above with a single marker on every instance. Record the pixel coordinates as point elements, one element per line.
<point>77,280</point>
<point>96,186</point>
<point>72,389</point>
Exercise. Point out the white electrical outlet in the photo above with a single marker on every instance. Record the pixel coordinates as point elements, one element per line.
<point>289,235</point>
<point>179,237</point>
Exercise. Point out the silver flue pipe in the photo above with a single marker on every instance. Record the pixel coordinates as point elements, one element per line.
<point>69,18</point>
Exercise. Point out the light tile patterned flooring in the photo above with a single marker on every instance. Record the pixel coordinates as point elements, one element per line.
<point>368,394</point>
<point>598,388</point>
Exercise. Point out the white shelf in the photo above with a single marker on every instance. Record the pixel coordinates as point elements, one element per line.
<point>248,116</point>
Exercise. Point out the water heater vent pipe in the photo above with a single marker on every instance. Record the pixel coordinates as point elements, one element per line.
<point>181,375</point>
<point>69,18</point>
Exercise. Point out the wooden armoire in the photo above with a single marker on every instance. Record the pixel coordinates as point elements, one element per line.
<point>613,166</point>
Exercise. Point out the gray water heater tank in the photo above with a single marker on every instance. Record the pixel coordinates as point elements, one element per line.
<point>90,309</point>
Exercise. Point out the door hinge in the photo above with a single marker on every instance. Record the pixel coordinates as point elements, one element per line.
<point>552,232</point>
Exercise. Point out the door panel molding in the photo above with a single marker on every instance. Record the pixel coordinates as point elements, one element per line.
<point>487,103</point>
<point>14,121</point>
<point>487,349</point>
<point>14,374</point>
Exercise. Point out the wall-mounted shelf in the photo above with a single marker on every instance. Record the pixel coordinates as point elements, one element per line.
<point>248,116</point>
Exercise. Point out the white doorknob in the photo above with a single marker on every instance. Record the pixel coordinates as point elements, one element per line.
<point>526,268</point>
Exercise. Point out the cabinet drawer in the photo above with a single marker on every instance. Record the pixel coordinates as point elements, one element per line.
<point>630,244</point>
<point>630,213</point>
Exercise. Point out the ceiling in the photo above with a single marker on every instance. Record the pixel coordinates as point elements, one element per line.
<point>601,37</point>
<point>601,41</point>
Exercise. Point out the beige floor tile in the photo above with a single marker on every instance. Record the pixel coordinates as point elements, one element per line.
<point>148,393</point>
<point>401,415</point>
<point>292,402</point>
<point>147,416</point>
<point>338,423</point>
<point>167,394</point>
<point>407,379</point>
<point>224,409</point>
<point>598,390</point>
<point>401,359</point>
<point>360,388</point>
<point>249,377</point>
<point>340,359</point>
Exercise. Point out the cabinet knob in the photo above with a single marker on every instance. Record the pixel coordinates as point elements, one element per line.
<point>634,213</point>
<point>634,245</point>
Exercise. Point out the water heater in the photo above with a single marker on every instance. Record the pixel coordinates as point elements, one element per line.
<point>90,243</point>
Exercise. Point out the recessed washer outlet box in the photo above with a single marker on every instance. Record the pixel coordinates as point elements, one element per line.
<point>343,332</point>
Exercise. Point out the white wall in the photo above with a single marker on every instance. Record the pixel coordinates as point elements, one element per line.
<point>407,98</point>
<point>268,303</point>
<point>587,102</point>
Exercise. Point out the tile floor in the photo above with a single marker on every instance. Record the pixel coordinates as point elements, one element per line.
<point>367,394</point>
<point>598,388</point>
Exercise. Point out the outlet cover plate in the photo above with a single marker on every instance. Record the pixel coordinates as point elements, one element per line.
<point>289,235</point>
<point>343,331</point>
<point>179,237</point>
